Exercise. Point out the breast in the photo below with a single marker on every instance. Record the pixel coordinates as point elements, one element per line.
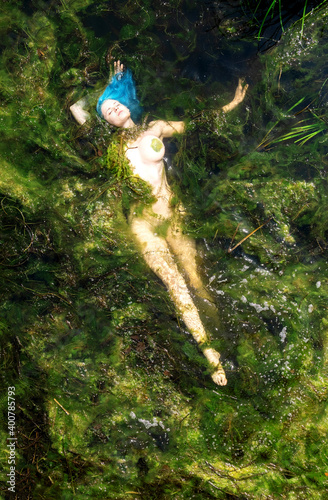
<point>151,149</point>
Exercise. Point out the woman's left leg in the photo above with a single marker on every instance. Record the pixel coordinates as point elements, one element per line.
<point>158,256</point>
<point>184,248</point>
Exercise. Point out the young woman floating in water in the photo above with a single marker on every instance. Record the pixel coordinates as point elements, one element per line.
<point>119,106</point>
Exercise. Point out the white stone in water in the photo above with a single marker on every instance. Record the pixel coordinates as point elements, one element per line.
<point>283,334</point>
<point>258,307</point>
<point>212,278</point>
<point>147,423</point>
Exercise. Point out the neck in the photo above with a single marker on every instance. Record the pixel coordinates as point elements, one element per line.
<point>129,123</point>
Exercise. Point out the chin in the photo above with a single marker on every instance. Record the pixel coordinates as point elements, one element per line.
<point>121,120</point>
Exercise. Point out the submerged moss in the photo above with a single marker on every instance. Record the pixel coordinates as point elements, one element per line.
<point>112,397</point>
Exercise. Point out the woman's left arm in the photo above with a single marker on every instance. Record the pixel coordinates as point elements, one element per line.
<point>239,96</point>
<point>162,128</point>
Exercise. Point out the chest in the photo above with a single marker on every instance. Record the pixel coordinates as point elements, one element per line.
<point>146,157</point>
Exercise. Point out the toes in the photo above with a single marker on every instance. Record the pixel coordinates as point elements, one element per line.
<point>219,377</point>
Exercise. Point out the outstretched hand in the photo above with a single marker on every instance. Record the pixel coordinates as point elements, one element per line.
<point>240,91</point>
<point>118,68</point>
<point>239,96</point>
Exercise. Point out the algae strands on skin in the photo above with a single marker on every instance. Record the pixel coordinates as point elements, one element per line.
<point>156,144</point>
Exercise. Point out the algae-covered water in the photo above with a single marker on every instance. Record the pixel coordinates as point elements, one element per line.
<point>112,396</point>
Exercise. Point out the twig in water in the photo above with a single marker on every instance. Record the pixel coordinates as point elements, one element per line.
<point>250,234</point>
<point>234,235</point>
<point>55,400</point>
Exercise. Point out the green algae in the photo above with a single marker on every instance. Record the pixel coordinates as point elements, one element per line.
<point>113,399</point>
<point>156,145</point>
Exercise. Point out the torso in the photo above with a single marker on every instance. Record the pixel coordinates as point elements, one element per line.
<point>146,157</point>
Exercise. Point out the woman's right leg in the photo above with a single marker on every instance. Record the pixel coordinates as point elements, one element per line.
<point>158,256</point>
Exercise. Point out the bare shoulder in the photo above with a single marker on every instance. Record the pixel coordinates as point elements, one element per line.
<point>155,127</point>
<point>162,128</point>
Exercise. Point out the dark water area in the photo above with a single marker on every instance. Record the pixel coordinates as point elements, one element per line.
<point>104,388</point>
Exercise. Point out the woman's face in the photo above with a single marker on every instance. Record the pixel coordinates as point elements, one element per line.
<point>115,113</point>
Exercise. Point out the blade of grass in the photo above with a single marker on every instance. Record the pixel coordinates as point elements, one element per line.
<point>308,137</point>
<point>263,143</point>
<point>265,17</point>
<point>303,18</point>
<point>280,17</point>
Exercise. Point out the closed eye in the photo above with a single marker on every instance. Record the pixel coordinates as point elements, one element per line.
<point>111,109</point>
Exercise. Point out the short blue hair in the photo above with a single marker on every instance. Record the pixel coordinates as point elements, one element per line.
<point>122,89</point>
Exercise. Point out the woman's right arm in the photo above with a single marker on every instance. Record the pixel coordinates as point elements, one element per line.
<point>78,111</point>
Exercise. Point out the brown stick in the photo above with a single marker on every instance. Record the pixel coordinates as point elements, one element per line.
<point>234,235</point>
<point>250,234</point>
<point>55,400</point>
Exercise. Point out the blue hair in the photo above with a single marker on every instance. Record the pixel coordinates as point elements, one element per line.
<point>122,89</point>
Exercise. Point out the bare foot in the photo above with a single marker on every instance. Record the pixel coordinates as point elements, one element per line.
<point>214,359</point>
<point>219,377</point>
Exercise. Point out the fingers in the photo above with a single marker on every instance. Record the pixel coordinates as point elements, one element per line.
<point>240,90</point>
<point>244,86</point>
<point>241,85</point>
<point>118,67</point>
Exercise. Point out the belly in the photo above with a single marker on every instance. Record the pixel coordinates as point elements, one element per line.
<point>152,170</point>
<point>162,207</point>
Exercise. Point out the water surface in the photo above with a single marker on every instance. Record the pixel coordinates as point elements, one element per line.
<point>113,399</point>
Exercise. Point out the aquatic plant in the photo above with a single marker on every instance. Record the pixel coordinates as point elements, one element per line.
<point>112,397</point>
<point>270,9</point>
<point>262,12</point>
<point>299,133</point>
<point>303,133</point>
